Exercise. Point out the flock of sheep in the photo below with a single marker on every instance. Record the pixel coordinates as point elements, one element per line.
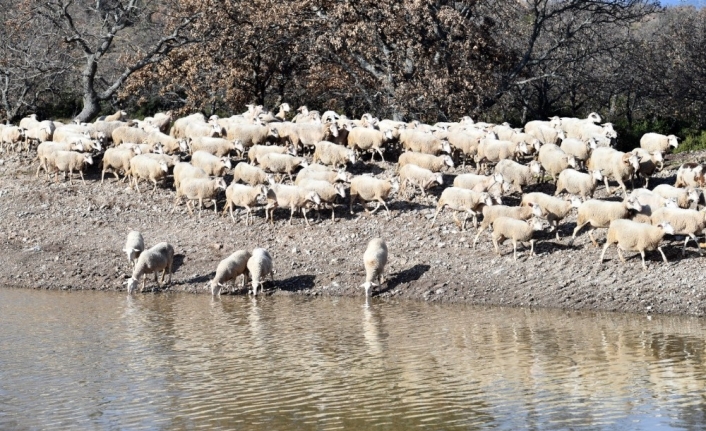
<point>271,150</point>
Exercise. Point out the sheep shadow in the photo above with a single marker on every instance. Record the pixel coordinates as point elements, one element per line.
<point>177,262</point>
<point>296,283</point>
<point>366,168</point>
<point>405,276</point>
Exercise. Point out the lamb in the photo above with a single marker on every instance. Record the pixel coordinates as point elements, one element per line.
<point>46,148</point>
<point>293,197</point>
<point>490,213</point>
<point>554,160</point>
<point>12,136</point>
<point>516,174</point>
<point>229,269</point>
<point>259,266</point>
<point>615,164</point>
<point>656,142</point>
<point>117,159</point>
<point>578,183</point>
<point>556,209</point>
<point>598,214</point>
<point>374,260</point>
<point>691,175</point>
<point>420,142</point>
<point>366,139</point>
<point>329,153</point>
<point>68,161</point>
<point>184,170</point>
<point>213,165</point>
<point>581,150</point>
<point>142,167</point>
<point>158,258</point>
<point>128,134</point>
<point>426,161</point>
<point>199,188</point>
<point>649,163</point>
<point>492,151</point>
<point>458,199</point>
<point>309,134</point>
<point>634,236</point>
<point>685,222</point>
<point>312,172</point>
<point>516,230</point>
<point>281,163</point>
<point>134,245</point>
<point>258,150</point>
<point>240,195</point>
<point>327,192</point>
<point>251,175</point>
<point>366,189</point>
<point>420,177</point>
<point>684,197</point>
<point>252,134</point>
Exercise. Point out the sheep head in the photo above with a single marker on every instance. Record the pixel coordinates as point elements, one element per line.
<point>163,166</point>
<point>666,227</point>
<point>340,189</point>
<point>226,162</point>
<point>78,146</point>
<point>571,161</point>
<point>313,197</point>
<point>537,224</point>
<point>158,148</point>
<point>445,146</point>
<point>183,146</point>
<point>333,130</point>
<point>131,285</point>
<point>388,134</point>
<point>673,141</point>
<point>535,167</point>
<point>692,195</point>
<point>342,175</point>
<point>351,156</point>
<point>87,158</point>
<point>220,184</point>
<point>597,175</point>
<point>448,161</point>
<point>439,178</point>
<point>284,107</point>
<point>631,203</point>
<point>273,132</point>
<point>594,117</point>
<point>395,184</point>
<point>671,203</point>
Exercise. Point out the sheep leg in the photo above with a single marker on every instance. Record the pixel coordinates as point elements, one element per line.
<point>475,240</point>
<point>381,156</point>
<point>622,258</point>
<point>438,210</point>
<point>136,186</point>
<point>350,203</point>
<point>291,214</point>
<point>607,186</point>
<point>215,207</point>
<point>642,253</point>
<point>144,281</point>
<point>333,214</point>
<point>71,174</point>
<point>82,180</point>
<point>605,247</point>
<point>663,256</point>
<point>188,201</point>
<point>514,246</point>
<point>590,235</point>
<point>577,229</point>
<point>102,176</point>
<point>532,241</point>
<point>304,214</point>
<point>386,208</point>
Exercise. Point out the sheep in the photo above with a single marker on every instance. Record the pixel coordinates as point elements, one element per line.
<point>213,165</point>
<point>257,150</point>
<point>572,126</point>
<point>589,130</point>
<point>420,142</point>
<point>106,128</point>
<point>28,121</point>
<point>229,269</point>
<point>656,142</point>
<point>195,130</point>
<point>161,121</point>
<point>365,139</point>
<point>479,183</point>
<point>615,164</point>
<point>426,161</point>
<point>685,222</point>
<point>467,141</point>
<point>555,209</point>
<point>490,213</point>
<point>366,189</point>
<point>152,260</point>
<point>649,162</point>
<point>142,167</point>
<point>12,136</point>
<point>252,134</point>
<point>546,135</point>
<point>293,197</point>
<point>504,132</point>
<point>312,172</point>
<point>40,132</point>
<point>650,202</point>
<point>581,150</point>
<point>459,199</point>
<point>179,127</point>
<point>327,192</point>
<point>420,177</point>
<point>634,236</point>
<point>169,144</point>
<point>251,175</point>
<point>516,174</point>
<point>598,214</point>
<point>516,230</point>
<point>46,148</point>
<point>240,195</point>
<point>578,183</point>
<point>684,197</point>
<point>329,153</point>
<point>118,116</point>
<point>199,188</point>
<point>281,163</point>
<point>116,159</point>
<point>690,175</point>
<point>68,161</point>
<point>374,260</point>
<point>307,135</point>
<point>217,146</point>
<point>259,266</point>
<point>554,160</point>
<point>492,151</point>
<point>134,245</point>
<point>128,134</point>
<point>184,170</point>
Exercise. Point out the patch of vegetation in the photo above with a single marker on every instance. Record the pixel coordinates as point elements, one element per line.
<point>693,142</point>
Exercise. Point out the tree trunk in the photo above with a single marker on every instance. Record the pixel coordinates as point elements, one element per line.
<point>91,102</point>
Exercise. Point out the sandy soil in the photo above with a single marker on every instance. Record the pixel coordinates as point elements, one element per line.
<point>58,236</point>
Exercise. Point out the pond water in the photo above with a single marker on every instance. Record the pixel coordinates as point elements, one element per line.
<point>98,360</point>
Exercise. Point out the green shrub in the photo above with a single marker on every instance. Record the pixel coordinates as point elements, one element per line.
<point>693,142</point>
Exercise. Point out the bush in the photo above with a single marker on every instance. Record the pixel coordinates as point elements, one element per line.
<point>693,142</point>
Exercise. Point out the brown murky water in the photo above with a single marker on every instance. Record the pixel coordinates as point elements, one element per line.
<point>85,360</point>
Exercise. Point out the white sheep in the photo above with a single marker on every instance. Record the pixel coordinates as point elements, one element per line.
<point>684,221</point>
<point>184,170</point>
<point>257,150</point>
<point>581,150</point>
<point>142,167</point>
<point>554,160</point>
<point>555,209</point>
<point>129,134</point>
<point>12,137</point>
<point>517,174</point>
<point>517,230</point>
<point>199,188</point>
<point>251,175</point>
<point>179,127</point>
<point>657,142</point>
<point>332,154</point>
<point>490,213</point>
<point>468,201</point>
<point>327,192</point>
<point>366,139</point>
<point>467,141</point>
<point>546,135</point>
<point>117,159</point>
<point>649,162</point>
<point>374,260</point>
<point>691,175</point>
<point>252,134</point>
<point>281,163</point>
<point>684,197</point>
<point>493,151</point>
<point>634,236</point>
<point>650,202</point>
<point>259,266</point>
<point>217,146</point>
<point>479,183</point>
<point>41,132</point>
<point>426,161</point>
<point>117,116</point>
<point>155,259</point>
<point>578,183</point>
<point>367,189</point>
<point>240,195</point>
<point>420,142</point>
<point>614,164</point>
<point>68,161</point>
<point>229,269</point>
<point>313,172</point>
<point>134,246</point>
<point>293,197</point>
<point>420,177</point>
<point>307,135</point>
<point>212,165</point>
<point>598,214</point>
<point>588,131</point>
<point>195,130</point>
<point>46,148</point>
<point>143,148</point>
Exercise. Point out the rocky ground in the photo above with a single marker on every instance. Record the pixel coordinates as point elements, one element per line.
<point>58,236</point>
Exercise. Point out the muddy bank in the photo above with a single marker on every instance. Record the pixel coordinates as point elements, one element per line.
<point>57,236</point>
